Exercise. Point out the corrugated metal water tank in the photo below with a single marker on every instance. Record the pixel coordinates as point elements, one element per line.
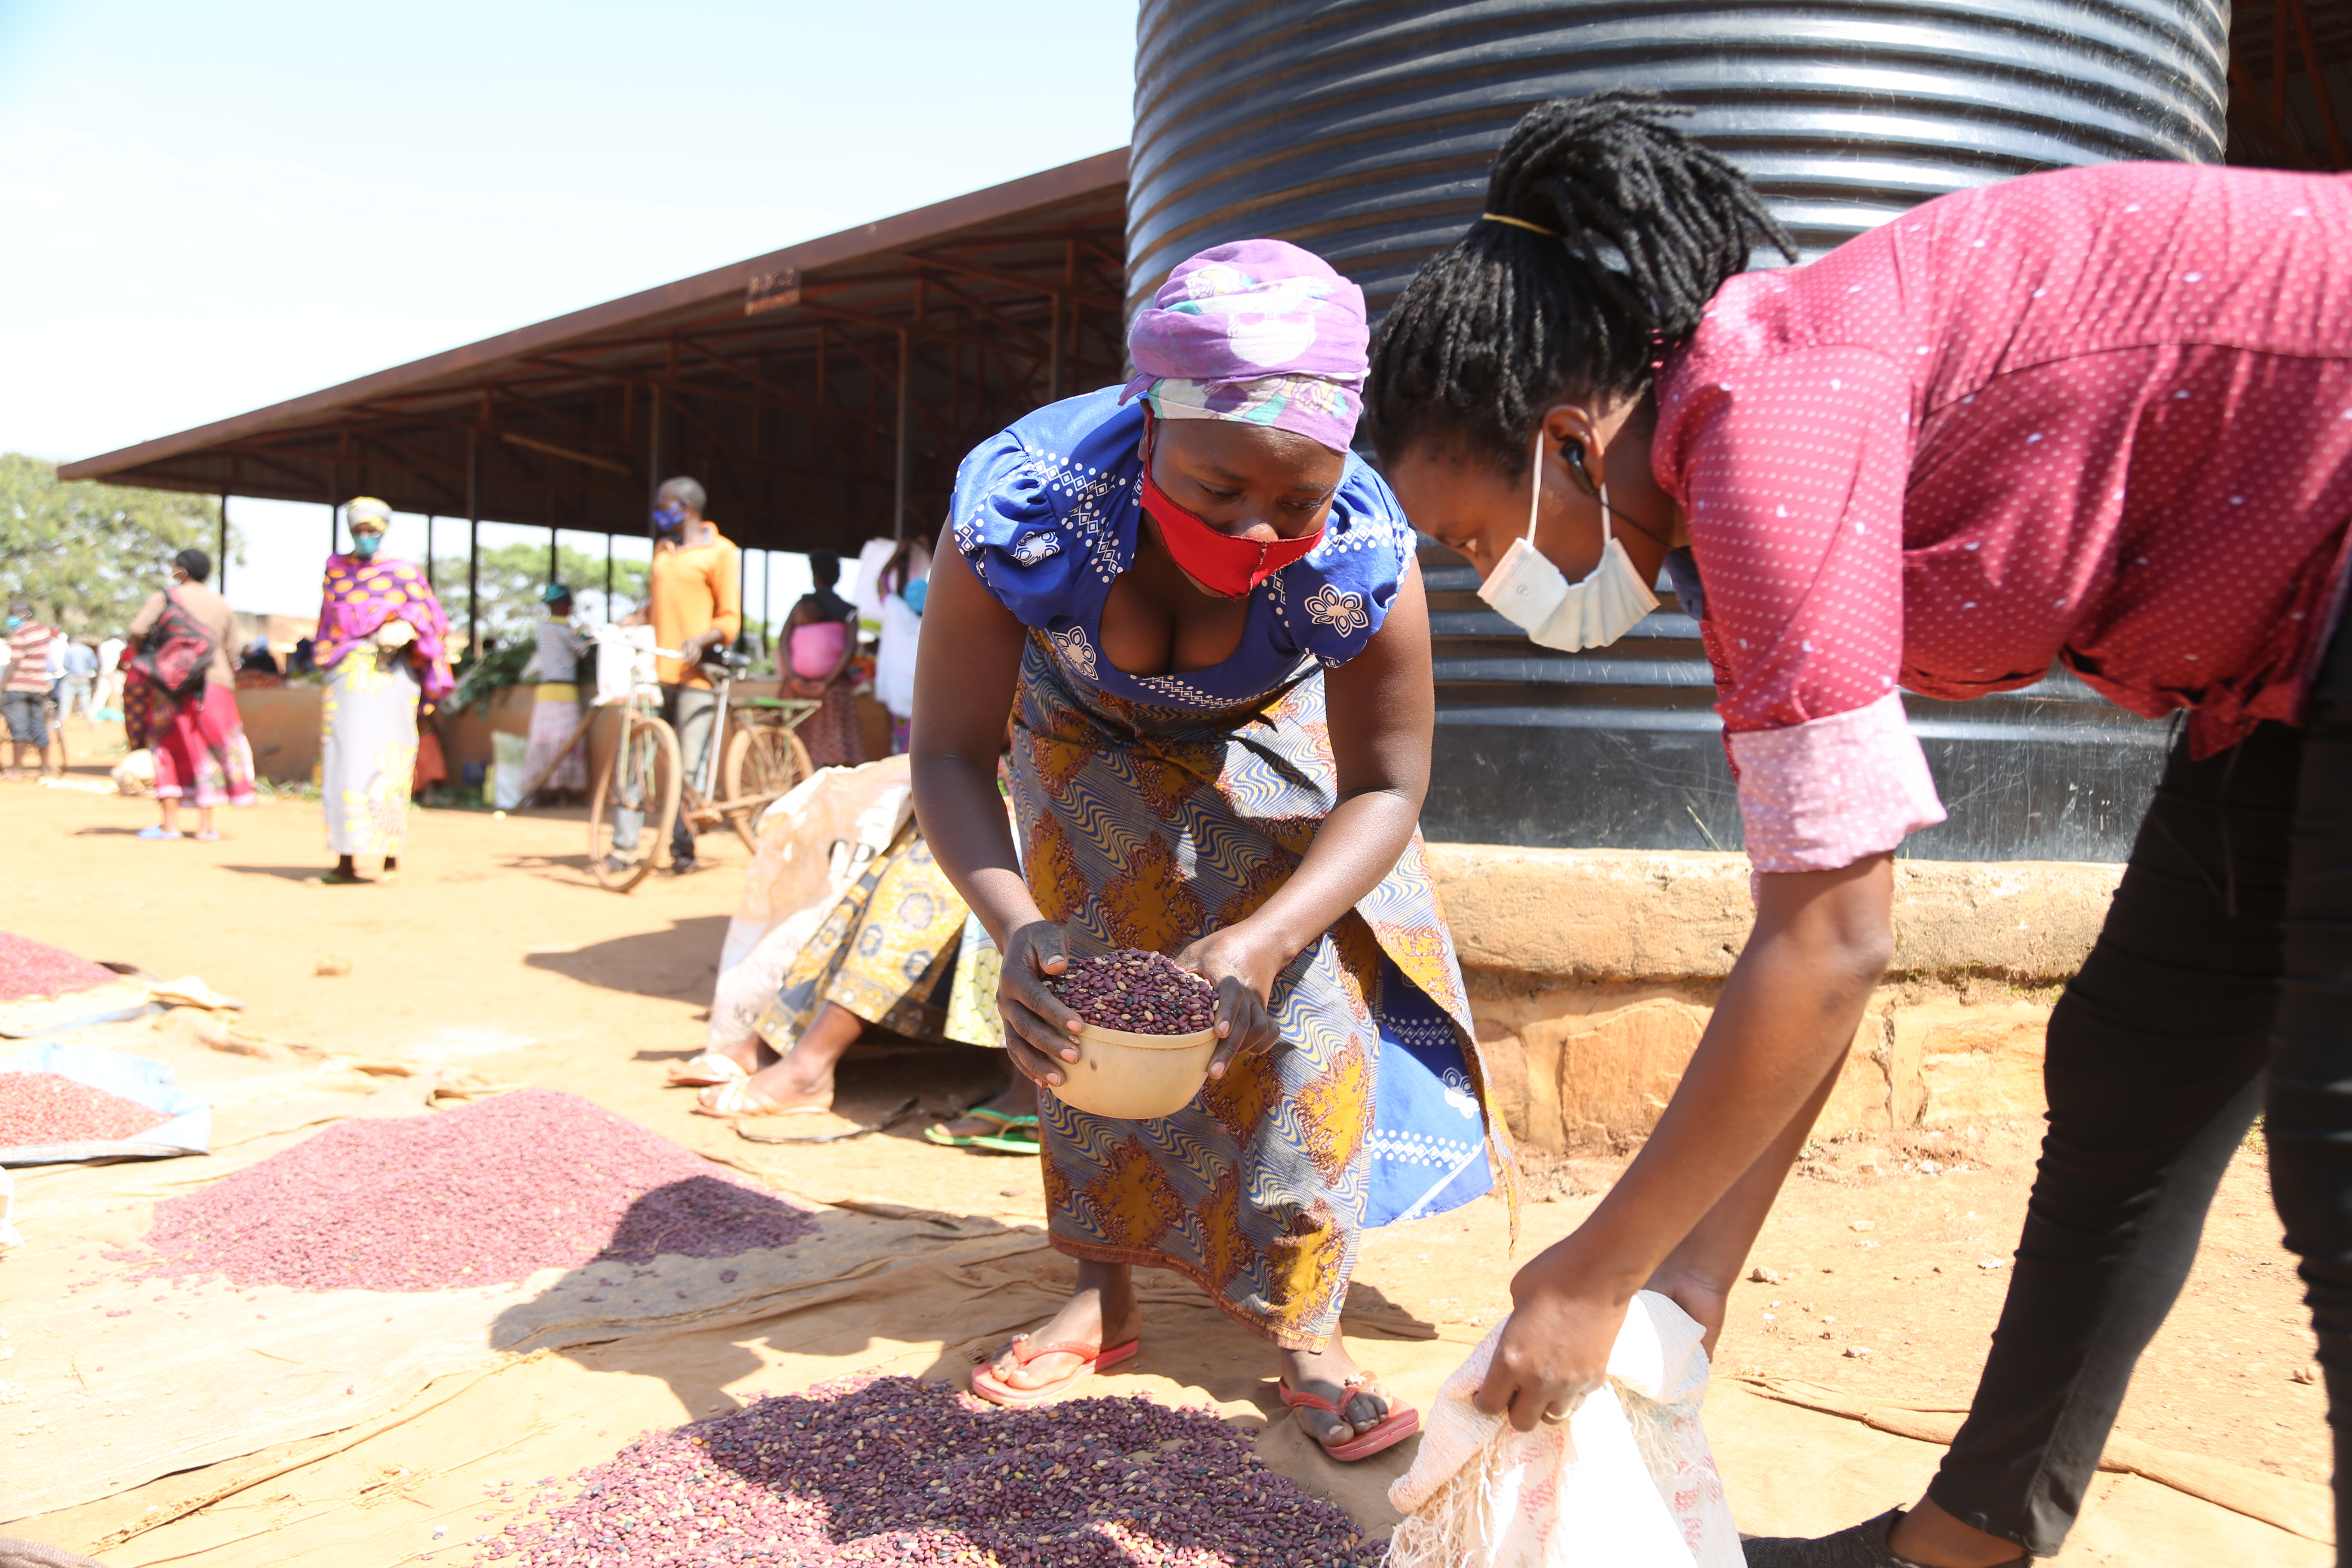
<point>1362,130</point>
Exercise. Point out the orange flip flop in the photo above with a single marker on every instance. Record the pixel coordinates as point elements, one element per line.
<point>1402,1422</point>
<point>985,1383</point>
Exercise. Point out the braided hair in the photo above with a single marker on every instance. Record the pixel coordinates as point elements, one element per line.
<point>1641,225</point>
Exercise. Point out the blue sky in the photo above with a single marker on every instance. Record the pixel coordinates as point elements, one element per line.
<point>215,206</point>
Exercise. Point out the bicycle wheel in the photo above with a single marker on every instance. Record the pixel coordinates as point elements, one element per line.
<point>759,765</point>
<point>641,785</point>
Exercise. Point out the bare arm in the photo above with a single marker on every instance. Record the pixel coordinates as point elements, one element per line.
<point>848,652</point>
<point>965,671</point>
<point>1689,1207</point>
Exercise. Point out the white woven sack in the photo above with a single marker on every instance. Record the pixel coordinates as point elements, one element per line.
<point>1626,1481</point>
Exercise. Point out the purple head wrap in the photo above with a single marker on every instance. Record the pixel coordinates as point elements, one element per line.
<point>1258,332</point>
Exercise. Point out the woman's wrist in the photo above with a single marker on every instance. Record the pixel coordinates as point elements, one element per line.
<point>1575,1268</point>
<point>1256,949</point>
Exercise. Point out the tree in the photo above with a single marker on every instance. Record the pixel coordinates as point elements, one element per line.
<point>87,554</point>
<point>511,578</point>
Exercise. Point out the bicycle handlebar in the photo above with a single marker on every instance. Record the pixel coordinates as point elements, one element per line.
<point>727,660</point>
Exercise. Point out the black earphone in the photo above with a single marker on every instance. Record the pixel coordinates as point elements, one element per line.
<point>1574,452</point>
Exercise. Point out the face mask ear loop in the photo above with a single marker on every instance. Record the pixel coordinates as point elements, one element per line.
<point>1534,488</point>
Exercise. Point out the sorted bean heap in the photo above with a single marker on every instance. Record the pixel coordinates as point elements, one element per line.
<point>1141,992</point>
<point>893,1472</point>
<point>43,1108</point>
<point>484,1196</point>
<point>31,969</point>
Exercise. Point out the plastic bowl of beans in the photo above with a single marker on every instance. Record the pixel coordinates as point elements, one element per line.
<point>1151,1031</point>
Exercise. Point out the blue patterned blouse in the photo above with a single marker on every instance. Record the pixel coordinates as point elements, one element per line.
<point>1048,512</point>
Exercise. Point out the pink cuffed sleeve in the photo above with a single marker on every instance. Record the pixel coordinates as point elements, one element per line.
<point>1791,469</point>
<point>1822,794</point>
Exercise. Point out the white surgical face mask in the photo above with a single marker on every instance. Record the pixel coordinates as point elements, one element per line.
<point>1526,590</point>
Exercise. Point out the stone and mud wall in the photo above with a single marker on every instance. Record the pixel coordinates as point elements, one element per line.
<point>1591,973</point>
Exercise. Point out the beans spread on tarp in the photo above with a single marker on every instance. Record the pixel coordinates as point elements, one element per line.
<point>893,1472</point>
<point>484,1196</point>
<point>30,969</point>
<point>42,1108</point>
<point>1138,992</point>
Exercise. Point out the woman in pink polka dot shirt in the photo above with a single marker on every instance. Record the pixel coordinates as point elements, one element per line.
<point>2102,416</point>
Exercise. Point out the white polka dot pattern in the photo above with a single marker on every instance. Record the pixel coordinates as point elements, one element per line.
<point>1818,795</point>
<point>2102,416</point>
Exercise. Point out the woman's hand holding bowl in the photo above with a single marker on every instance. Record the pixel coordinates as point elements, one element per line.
<point>1040,1034</point>
<point>1237,963</point>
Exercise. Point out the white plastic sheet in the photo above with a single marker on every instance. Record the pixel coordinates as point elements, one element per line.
<point>150,1084</point>
<point>1626,1481</point>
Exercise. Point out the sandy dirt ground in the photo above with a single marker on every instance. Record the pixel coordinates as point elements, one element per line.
<point>1884,1266</point>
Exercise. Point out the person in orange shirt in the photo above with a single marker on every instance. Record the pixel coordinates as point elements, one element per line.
<point>697,608</point>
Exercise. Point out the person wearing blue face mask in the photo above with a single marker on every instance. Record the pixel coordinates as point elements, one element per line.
<point>384,647</point>
<point>696,588</point>
<point>202,757</point>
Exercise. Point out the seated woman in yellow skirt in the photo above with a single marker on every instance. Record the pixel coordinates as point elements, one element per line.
<point>898,952</point>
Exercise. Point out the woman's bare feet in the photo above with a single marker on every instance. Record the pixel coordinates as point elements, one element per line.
<point>1019,1099</point>
<point>802,1079</point>
<point>1102,1312</point>
<point>1327,1373</point>
<point>748,1055</point>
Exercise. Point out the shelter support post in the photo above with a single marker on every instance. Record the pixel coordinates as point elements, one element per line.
<point>898,464</point>
<point>473,542</point>
<point>608,576</point>
<point>554,557</point>
<point>653,457</point>
<point>220,579</point>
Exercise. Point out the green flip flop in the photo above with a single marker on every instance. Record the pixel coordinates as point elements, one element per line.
<point>1006,1143</point>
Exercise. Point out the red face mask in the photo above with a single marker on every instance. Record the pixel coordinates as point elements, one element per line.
<point>1218,562</point>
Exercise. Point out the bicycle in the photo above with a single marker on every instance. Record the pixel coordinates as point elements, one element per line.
<point>755,758</point>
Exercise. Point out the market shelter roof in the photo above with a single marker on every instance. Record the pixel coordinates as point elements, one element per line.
<point>822,393</point>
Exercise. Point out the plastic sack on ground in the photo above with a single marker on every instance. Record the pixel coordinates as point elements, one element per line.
<point>512,759</point>
<point>1626,1481</point>
<point>814,843</point>
<point>135,773</point>
<point>150,1084</point>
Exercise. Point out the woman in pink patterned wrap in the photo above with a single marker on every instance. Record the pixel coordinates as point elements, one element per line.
<point>384,647</point>
<point>2101,416</point>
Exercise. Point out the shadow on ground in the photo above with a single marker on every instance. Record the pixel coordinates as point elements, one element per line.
<point>680,962</point>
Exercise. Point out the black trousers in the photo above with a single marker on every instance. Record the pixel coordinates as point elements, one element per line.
<point>2221,982</point>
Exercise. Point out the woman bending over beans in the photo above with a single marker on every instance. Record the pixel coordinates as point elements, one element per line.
<point>1204,612</point>
<point>2101,416</point>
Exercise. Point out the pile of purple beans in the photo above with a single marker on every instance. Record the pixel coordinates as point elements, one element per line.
<point>42,1108</point>
<point>1141,992</point>
<point>485,1195</point>
<point>893,1472</point>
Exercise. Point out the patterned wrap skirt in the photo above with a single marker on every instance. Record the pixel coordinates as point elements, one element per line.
<point>554,720</point>
<point>886,952</point>
<point>832,734</point>
<point>201,753</point>
<point>1145,827</point>
<point>368,747</point>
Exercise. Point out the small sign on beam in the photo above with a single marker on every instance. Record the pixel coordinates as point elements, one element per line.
<point>771,290</point>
